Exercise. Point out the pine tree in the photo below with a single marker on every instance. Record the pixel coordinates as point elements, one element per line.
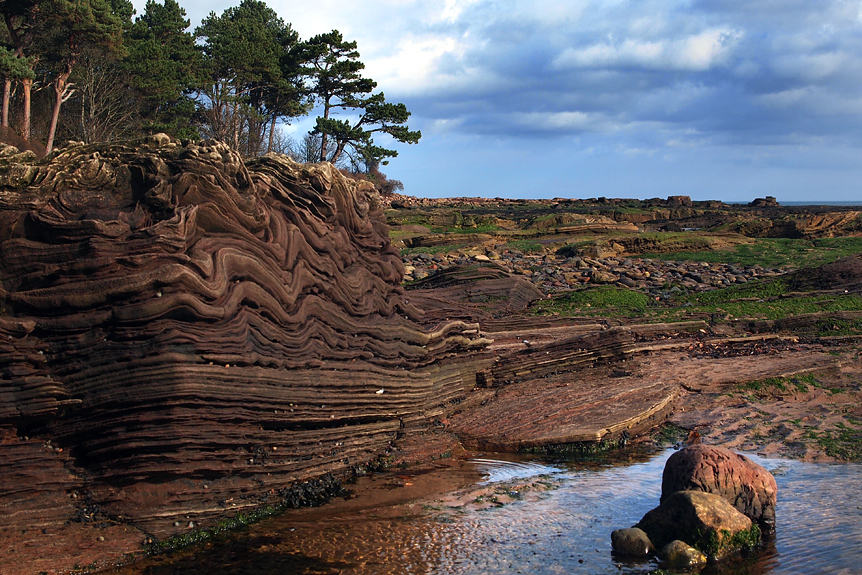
<point>22,19</point>
<point>248,56</point>
<point>165,68</point>
<point>335,71</point>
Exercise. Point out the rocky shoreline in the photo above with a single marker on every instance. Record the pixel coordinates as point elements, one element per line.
<point>190,339</point>
<point>552,273</point>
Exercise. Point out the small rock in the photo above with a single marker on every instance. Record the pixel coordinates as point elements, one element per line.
<point>681,555</point>
<point>160,139</point>
<point>601,277</point>
<point>632,541</point>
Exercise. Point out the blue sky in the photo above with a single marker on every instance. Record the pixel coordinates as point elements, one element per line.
<point>715,99</point>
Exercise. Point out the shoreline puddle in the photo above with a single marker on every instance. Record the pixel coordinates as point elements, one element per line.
<point>502,514</point>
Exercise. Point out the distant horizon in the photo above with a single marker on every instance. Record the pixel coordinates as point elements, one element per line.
<point>643,199</point>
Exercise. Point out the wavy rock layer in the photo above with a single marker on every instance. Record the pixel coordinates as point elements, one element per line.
<point>183,332</point>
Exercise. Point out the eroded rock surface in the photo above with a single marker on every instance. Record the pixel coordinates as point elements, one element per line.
<point>184,335</point>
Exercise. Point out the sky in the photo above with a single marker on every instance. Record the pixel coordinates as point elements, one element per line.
<point>714,99</point>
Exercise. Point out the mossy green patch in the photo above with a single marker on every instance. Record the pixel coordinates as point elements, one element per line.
<point>772,252</point>
<point>715,544</point>
<point>844,442</point>
<point>779,385</point>
<point>431,250</point>
<point>596,301</point>
<point>669,434</point>
<point>525,246</point>
<point>766,299</point>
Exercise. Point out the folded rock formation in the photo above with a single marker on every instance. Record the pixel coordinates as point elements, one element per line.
<point>183,335</point>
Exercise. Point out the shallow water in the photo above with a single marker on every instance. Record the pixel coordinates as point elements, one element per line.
<point>562,530</point>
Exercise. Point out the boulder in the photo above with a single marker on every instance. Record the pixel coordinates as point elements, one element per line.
<point>632,541</point>
<point>601,277</point>
<point>679,201</point>
<point>703,520</point>
<point>746,485</point>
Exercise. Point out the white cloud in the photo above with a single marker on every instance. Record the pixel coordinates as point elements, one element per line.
<point>696,52</point>
<point>636,151</point>
<point>452,9</point>
<point>412,65</point>
<point>560,121</point>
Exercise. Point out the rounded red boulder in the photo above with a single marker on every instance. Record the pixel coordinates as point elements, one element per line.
<point>746,485</point>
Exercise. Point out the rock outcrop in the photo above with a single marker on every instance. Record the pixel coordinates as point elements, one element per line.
<point>703,520</point>
<point>749,487</point>
<point>184,335</point>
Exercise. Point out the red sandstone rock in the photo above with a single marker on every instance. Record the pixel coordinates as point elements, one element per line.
<point>746,485</point>
<point>183,335</point>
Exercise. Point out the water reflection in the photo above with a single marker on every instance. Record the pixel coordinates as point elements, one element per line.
<point>564,529</point>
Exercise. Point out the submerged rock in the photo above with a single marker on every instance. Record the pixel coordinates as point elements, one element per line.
<point>680,554</point>
<point>632,541</point>
<point>702,520</point>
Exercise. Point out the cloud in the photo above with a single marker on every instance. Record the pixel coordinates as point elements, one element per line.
<point>693,53</point>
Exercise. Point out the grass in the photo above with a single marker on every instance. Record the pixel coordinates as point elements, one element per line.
<point>834,328</point>
<point>524,246</point>
<point>596,301</point>
<point>772,386</point>
<point>766,299</point>
<point>476,229</point>
<point>431,250</point>
<point>773,308</point>
<point>774,253</point>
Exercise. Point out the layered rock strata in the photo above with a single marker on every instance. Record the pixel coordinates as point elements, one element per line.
<point>183,334</point>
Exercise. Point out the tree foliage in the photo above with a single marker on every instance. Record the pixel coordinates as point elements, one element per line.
<point>164,68</point>
<point>335,71</point>
<point>70,28</point>
<point>91,71</point>
<point>250,83</point>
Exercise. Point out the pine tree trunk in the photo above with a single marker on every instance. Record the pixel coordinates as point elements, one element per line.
<point>338,151</point>
<point>26,85</point>
<point>323,134</point>
<point>7,91</point>
<point>271,134</point>
<point>62,93</point>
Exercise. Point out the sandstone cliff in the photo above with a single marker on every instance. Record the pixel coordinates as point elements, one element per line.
<point>184,335</point>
